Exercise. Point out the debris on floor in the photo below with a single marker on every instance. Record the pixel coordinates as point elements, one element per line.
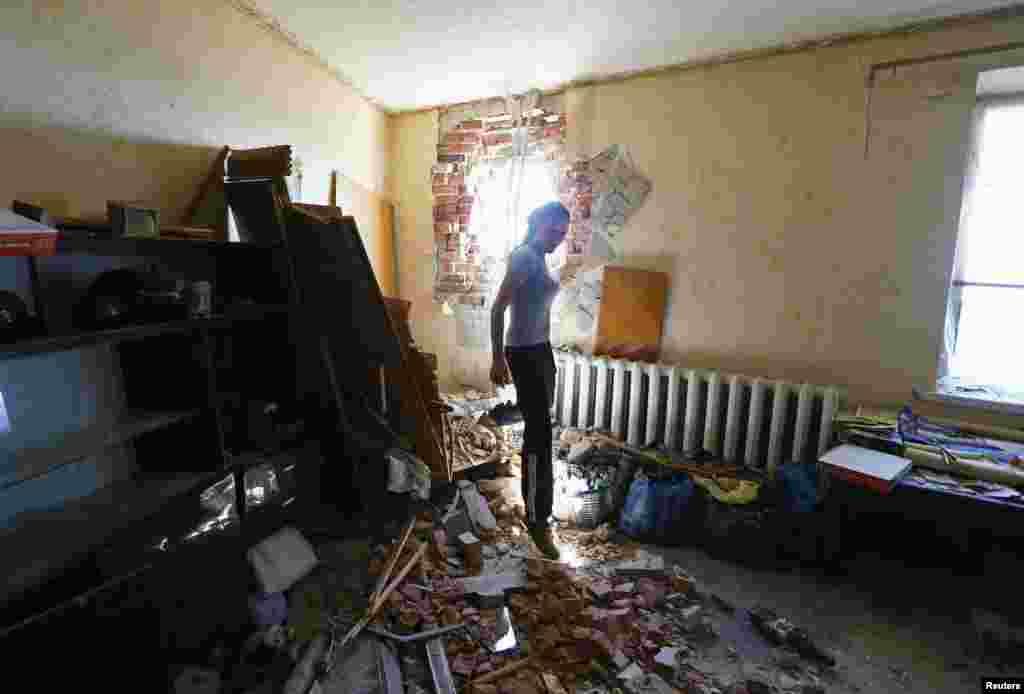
<point>466,603</point>
<point>783,632</point>
<point>596,545</point>
<point>475,443</point>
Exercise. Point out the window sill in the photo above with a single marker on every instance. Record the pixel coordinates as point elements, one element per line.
<point>985,398</point>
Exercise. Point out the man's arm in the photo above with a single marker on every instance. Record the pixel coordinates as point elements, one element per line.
<point>514,278</point>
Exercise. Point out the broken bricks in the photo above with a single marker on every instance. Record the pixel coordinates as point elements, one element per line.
<point>553,684</point>
<point>652,592</point>
<point>601,588</point>
<point>450,616</point>
<point>472,551</point>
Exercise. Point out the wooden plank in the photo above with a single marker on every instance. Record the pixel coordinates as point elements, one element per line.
<point>417,386</point>
<point>502,672</point>
<point>386,573</point>
<point>632,310</point>
<point>375,606</point>
<point>261,162</point>
<point>702,470</point>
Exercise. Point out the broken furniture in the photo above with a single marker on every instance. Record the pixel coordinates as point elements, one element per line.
<point>126,457</point>
<point>357,328</point>
<point>418,397</point>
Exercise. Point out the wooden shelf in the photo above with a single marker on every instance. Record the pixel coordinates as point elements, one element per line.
<point>39,544</point>
<point>37,462</point>
<point>16,613</point>
<point>42,345</point>
<point>80,242</point>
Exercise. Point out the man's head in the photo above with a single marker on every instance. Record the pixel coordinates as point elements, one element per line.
<point>546,226</point>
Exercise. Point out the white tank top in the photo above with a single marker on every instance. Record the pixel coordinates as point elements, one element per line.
<point>530,323</point>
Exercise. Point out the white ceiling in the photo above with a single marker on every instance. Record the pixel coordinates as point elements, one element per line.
<point>407,54</point>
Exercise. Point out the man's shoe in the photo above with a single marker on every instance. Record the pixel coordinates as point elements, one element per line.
<point>544,539</point>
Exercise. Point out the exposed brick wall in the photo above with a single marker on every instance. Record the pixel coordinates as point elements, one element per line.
<point>574,190</point>
<point>462,274</point>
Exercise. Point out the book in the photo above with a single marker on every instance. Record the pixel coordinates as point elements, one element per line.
<point>23,236</point>
<point>865,467</point>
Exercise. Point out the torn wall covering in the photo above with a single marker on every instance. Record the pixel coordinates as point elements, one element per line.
<point>603,193</point>
<point>618,190</point>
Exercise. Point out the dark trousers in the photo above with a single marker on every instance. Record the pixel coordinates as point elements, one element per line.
<point>533,373</point>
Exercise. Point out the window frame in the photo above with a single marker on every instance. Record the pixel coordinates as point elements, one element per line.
<point>949,388</point>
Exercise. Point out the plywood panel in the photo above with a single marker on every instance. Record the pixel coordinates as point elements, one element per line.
<point>631,313</point>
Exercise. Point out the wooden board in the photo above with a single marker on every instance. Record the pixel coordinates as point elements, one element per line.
<point>631,313</point>
<point>383,251</point>
<point>418,395</point>
<point>339,288</point>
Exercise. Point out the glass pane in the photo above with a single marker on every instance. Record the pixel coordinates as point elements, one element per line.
<point>990,338</point>
<point>994,232</point>
<point>218,508</point>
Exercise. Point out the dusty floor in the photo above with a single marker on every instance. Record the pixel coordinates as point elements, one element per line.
<point>890,627</point>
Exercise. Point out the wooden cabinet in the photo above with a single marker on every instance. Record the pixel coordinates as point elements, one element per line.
<point>130,447</point>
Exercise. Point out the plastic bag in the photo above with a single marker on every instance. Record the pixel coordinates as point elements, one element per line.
<point>639,512</point>
<point>673,497</point>
<point>797,486</point>
<point>657,509</point>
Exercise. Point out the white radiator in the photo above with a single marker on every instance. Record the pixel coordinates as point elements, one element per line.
<point>751,421</point>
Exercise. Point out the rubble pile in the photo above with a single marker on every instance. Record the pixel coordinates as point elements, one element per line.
<point>462,601</point>
<point>467,586</point>
<point>631,626</point>
<point>475,442</point>
<point>596,545</point>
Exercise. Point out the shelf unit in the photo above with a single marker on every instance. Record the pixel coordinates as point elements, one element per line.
<point>36,462</point>
<point>57,343</point>
<point>63,555</point>
<point>94,244</point>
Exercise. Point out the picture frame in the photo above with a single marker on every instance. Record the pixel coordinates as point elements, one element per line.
<point>133,220</point>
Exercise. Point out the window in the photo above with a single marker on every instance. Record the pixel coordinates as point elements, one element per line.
<point>507,191</point>
<point>984,355</point>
